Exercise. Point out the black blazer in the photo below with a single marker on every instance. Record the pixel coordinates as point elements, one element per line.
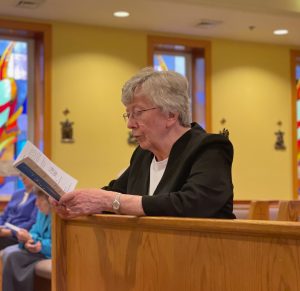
<point>196,183</point>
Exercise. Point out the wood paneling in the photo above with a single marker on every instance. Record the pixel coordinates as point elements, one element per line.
<point>259,210</point>
<point>289,210</point>
<point>121,253</point>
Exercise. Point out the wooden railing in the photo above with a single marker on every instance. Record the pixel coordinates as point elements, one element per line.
<point>111,252</point>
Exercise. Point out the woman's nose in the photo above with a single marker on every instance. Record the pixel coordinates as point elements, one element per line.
<point>131,123</point>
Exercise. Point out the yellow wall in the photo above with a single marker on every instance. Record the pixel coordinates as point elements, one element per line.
<point>250,89</point>
<point>90,65</point>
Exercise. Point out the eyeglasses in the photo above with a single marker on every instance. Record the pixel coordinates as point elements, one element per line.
<point>136,114</point>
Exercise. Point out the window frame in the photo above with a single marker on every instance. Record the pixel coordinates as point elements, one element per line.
<point>295,60</point>
<point>41,34</point>
<point>188,45</point>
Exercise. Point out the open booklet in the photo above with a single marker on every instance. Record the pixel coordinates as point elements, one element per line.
<point>11,226</point>
<point>43,173</point>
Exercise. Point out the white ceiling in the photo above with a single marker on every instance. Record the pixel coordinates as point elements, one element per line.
<point>177,16</point>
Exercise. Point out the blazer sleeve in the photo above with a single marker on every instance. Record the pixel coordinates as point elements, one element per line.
<point>120,184</point>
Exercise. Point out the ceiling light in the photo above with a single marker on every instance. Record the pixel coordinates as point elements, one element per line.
<point>121,14</point>
<point>280,32</point>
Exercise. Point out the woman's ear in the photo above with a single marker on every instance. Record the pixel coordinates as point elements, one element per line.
<point>172,118</point>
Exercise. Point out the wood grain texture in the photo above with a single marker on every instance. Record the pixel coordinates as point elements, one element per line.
<point>259,210</point>
<point>289,210</point>
<point>121,253</point>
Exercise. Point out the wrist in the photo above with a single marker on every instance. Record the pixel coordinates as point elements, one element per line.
<point>116,203</point>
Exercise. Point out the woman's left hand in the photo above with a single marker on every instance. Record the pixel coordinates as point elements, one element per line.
<point>33,247</point>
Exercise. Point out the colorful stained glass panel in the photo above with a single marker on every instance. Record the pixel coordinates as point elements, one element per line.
<point>13,108</point>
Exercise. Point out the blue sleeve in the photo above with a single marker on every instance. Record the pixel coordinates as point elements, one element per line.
<point>21,245</point>
<point>41,231</point>
<point>34,231</point>
<point>46,247</point>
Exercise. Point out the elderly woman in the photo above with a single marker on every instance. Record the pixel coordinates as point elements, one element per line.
<point>177,169</point>
<point>18,261</point>
<point>20,211</point>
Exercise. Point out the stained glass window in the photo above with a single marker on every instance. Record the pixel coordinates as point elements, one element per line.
<point>14,117</point>
<point>298,121</point>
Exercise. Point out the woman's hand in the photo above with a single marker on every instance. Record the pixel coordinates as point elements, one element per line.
<point>23,235</point>
<point>82,202</point>
<point>33,247</point>
<point>95,201</point>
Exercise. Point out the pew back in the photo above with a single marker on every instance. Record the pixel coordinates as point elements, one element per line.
<point>256,209</point>
<point>289,210</point>
<point>111,252</point>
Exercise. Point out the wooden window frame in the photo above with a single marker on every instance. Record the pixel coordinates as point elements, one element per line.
<point>41,34</point>
<point>189,45</point>
<point>295,54</point>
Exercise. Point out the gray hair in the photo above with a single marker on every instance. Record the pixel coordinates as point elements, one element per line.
<point>166,89</point>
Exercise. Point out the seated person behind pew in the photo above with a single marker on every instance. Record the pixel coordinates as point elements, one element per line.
<point>177,170</point>
<point>18,261</point>
<point>20,211</point>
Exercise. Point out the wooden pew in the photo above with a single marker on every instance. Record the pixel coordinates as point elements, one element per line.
<point>259,209</point>
<point>112,252</point>
<point>43,272</point>
<point>289,210</point>
<point>256,209</point>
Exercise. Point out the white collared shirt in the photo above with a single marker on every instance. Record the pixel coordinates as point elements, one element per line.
<point>25,198</point>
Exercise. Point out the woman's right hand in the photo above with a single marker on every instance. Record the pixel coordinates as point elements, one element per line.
<point>23,235</point>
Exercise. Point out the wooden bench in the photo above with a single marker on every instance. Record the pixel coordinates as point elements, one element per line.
<point>283,210</point>
<point>43,270</point>
<point>289,210</point>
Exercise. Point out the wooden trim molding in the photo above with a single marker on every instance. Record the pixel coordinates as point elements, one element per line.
<point>294,55</point>
<point>263,228</point>
<point>41,33</point>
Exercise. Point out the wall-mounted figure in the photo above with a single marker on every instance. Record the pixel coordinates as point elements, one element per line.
<point>279,143</point>
<point>67,129</point>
